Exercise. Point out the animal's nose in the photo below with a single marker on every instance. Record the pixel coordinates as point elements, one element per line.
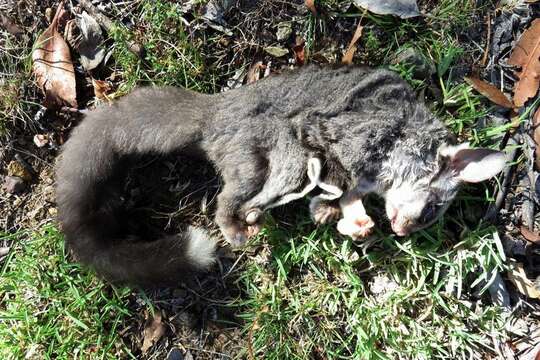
<point>401,228</point>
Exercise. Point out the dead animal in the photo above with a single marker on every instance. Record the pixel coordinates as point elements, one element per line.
<point>349,130</point>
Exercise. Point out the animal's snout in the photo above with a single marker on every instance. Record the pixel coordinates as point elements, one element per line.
<point>402,227</point>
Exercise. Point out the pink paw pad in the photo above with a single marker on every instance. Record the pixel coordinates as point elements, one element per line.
<point>358,227</point>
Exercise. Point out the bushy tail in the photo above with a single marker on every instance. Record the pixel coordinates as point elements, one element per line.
<point>147,121</point>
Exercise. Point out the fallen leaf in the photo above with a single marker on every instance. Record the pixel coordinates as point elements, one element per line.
<point>10,26</point>
<point>526,55</point>
<point>52,66</point>
<point>4,250</point>
<point>300,52</point>
<point>175,354</point>
<point>401,8</point>
<point>284,30</point>
<point>40,140</point>
<point>518,277</point>
<point>276,51</point>
<point>490,91</point>
<point>91,40</point>
<point>351,49</point>
<point>13,184</point>
<point>310,4</point>
<point>530,235</point>
<point>153,331</point>
<point>536,137</point>
<point>214,15</point>
<point>16,168</point>
<point>101,89</point>
<point>254,72</point>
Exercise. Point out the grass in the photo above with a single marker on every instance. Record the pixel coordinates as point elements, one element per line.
<point>52,309</point>
<point>171,56</point>
<point>319,296</point>
<point>15,86</point>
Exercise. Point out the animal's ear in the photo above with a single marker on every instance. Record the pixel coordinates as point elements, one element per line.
<point>472,165</point>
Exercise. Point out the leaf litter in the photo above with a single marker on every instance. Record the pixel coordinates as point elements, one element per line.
<point>490,91</point>
<point>402,8</point>
<point>86,37</point>
<point>154,329</point>
<point>52,66</point>
<point>526,55</point>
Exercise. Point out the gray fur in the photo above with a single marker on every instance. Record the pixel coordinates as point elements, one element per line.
<point>365,125</point>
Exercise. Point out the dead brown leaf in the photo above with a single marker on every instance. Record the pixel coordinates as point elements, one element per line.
<point>351,49</point>
<point>101,89</point>
<point>526,55</point>
<point>153,331</point>
<point>530,235</point>
<point>254,72</point>
<point>536,136</point>
<point>10,26</point>
<point>517,276</point>
<point>16,168</point>
<point>300,52</point>
<point>490,91</point>
<point>53,67</point>
<point>311,6</point>
<point>40,140</point>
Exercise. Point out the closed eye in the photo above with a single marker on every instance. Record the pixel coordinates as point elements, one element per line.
<point>429,212</point>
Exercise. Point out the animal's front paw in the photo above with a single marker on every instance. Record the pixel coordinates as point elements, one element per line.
<point>358,227</point>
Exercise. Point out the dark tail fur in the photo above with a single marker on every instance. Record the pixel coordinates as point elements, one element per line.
<point>147,121</point>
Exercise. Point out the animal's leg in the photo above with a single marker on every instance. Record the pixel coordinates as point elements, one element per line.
<point>288,171</point>
<point>324,211</point>
<point>356,223</point>
<point>243,179</point>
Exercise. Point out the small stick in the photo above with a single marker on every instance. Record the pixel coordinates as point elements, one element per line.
<point>108,24</point>
<point>488,40</point>
<point>529,154</point>
<point>493,209</point>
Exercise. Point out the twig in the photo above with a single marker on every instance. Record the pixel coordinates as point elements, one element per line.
<point>493,209</point>
<point>108,25</point>
<point>488,40</point>
<point>529,154</point>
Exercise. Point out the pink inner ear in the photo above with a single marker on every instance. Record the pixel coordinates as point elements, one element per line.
<point>475,165</point>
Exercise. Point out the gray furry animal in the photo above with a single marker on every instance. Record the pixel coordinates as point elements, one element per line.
<point>365,125</point>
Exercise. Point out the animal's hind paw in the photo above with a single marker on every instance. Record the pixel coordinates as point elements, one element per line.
<point>237,235</point>
<point>325,213</point>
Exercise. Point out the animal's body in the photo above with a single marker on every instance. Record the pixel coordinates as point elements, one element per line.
<point>365,125</point>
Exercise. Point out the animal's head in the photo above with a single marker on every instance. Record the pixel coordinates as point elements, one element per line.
<point>420,198</point>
